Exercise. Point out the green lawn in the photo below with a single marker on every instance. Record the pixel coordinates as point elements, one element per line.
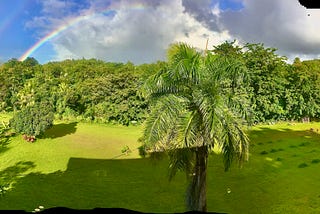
<point>81,166</point>
<point>282,175</point>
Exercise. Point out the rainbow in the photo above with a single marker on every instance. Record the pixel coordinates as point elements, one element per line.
<point>70,23</point>
<point>57,31</point>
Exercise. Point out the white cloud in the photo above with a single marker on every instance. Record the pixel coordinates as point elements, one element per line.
<point>282,24</point>
<point>140,31</point>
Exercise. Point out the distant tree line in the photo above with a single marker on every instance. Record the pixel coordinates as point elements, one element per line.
<point>106,92</point>
<point>90,90</point>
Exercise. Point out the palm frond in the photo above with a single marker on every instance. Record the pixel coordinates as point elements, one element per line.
<point>233,140</point>
<point>160,126</point>
<point>185,63</point>
<point>182,159</point>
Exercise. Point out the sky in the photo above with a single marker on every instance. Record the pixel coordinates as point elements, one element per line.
<point>140,31</point>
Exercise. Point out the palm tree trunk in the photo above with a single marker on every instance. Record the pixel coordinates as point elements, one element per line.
<point>197,192</point>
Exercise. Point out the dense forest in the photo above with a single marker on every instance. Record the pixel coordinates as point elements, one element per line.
<point>107,92</point>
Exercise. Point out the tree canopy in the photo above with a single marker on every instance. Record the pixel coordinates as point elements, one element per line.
<point>108,92</point>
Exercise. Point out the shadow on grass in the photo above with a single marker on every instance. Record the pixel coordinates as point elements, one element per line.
<point>284,140</point>
<point>4,142</point>
<point>89,183</point>
<point>283,134</point>
<point>60,130</point>
<point>10,175</point>
<point>4,139</point>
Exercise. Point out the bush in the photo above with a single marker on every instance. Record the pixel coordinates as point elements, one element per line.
<point>32,121</point>
<point>273,150</point>
<point>303,165</point>
<point>263,152</point>
<point>315,161</point>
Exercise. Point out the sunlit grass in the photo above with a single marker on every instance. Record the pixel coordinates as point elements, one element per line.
<point>52,151</point>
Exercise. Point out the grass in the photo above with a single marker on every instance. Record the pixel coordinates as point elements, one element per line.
<point>64,140</point>
<point>81,166</point>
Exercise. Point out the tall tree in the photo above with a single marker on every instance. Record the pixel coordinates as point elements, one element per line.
<point>305,89</point>
<point>196,105</point>
<point>268,80</point>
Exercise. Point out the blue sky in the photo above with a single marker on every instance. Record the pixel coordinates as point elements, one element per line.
<point>140,30</point>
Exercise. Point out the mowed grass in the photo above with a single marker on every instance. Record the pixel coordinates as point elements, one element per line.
<point>282,175</point>
<point>79,165</point>
<point>52,151</point>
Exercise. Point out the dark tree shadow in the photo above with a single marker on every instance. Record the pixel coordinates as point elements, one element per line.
<point>90,183</point>
<point>60,130</point>
<point>4,140</point>
<point>11,175</point>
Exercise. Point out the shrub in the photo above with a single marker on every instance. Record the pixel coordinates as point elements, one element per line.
<point>315,161</point>
<point>303,165</point>
<point>273,150</point>
<point>304,144</point>
<point>32,121</point>
<point>263,152</point>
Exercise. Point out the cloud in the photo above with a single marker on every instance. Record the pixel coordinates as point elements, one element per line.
<point>282,24</point>
<point>201,10</point>
<point>139,30</point>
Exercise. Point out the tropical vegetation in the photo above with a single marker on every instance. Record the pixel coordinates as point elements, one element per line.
<point>106,92</point>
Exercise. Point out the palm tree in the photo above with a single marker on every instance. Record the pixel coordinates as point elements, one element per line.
<point>197,103</point>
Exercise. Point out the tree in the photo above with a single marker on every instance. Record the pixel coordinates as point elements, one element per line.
<point>196,105</point>
<point>305,89</point>
<point>268,82</point>
<point>33,120</point>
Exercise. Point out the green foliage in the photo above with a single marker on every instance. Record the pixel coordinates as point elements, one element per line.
<point>268,81</point>
<point>106,92</point>
<point>91,90</point>
<point>33,120</point>
<point>305,89</point>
